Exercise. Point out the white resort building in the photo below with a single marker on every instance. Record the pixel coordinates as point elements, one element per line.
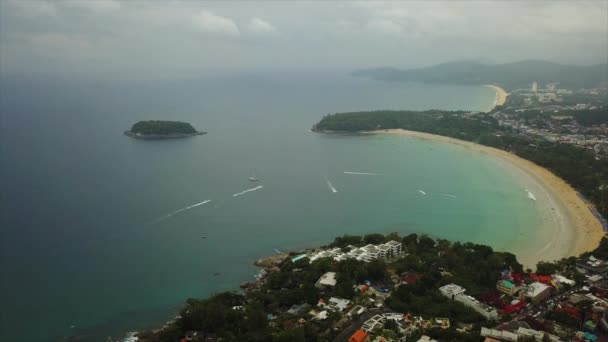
<point>366,253</point>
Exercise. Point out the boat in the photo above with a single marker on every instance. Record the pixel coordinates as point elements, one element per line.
<point>253,178</point>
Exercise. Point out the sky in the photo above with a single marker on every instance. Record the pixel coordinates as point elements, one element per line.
<point>173,38</point>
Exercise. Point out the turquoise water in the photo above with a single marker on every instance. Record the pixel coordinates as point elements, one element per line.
<point>87,242</point>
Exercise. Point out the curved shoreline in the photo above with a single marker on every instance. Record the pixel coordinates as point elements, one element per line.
<point>501,95</point>
<point>567,221</point>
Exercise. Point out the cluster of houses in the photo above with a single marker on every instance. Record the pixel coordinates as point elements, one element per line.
<point>406,324</point>
<point>366,253</point>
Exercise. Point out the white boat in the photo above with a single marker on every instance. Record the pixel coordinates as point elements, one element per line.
<point>253,178</point>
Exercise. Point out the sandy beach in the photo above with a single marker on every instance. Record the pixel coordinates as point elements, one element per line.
<point>568,226</point>
<point>501,95</point>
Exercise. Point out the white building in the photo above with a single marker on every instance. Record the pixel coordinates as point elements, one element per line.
<point>534,86</point>
<point>328,279</point>
<point>338,304</point>
<point>451,290</point>
<point>366,253</point>
<point>537,292</point>
<point>455,292</point>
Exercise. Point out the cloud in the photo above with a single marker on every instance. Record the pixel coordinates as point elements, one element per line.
<point>93,5</point>
<point>212,23</point>
<point>384,26</point>
<point>260,26</point>
<point>32,8</point>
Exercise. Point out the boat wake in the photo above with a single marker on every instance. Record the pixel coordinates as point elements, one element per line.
<point>181,210</point>
<point>248,190</point>
<point>362,173</point>
<point>422,192</point>
<point>331,187</point>
<point>448,195</point>
<point>530,195</point>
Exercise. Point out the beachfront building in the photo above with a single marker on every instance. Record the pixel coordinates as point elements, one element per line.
<point>366,253</point>
<point>537,292</point>
<point>327,280</point>
<point>506,287</point>
<point>457,293</point>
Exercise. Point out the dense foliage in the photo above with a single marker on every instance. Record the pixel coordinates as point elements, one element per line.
<point>575,165</point>
<point>245,317</point>
<point>158,127</point>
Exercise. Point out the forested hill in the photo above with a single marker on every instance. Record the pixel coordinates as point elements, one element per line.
<point>449,123</point>
<point>511,75</point>
<point>159,128</point>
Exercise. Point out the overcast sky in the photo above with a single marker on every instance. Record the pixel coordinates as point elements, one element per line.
<point>175,38</point>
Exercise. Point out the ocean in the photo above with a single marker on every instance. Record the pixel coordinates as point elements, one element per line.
<point>102,234</point>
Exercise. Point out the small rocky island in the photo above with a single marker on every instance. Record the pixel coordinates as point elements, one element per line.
<point>158,129</point>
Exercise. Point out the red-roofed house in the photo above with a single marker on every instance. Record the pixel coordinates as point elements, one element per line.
<point>358,336</point>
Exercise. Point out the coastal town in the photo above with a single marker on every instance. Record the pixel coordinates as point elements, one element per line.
<point>549,113</point>
<point>413,288</point>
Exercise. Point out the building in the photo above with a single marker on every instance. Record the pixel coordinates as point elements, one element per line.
<point>338,304</point>
<point>377,321</point>
<point>537,335</point>
<point>547,97</point>
<point>457,293</point>
<point>506,287</point>
<point>328,279</point>
<point>499,334</point>
<point>537,292</point>
<point>451,290</point>
<point>425,338</point>
<point>535,86</point>
<point>366,253</point>
<point>483,309</point>
<point>358,336</point>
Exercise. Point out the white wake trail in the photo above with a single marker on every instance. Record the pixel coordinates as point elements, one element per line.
<point>422,192</point>
<point>182,209</point>
<point>448,195</point>
<point>531,195</point>
<point>331,187</point>
<point>248,190</point>
<point>362,173</point>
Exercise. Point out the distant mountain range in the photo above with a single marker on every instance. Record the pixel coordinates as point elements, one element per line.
<point>510,76</point>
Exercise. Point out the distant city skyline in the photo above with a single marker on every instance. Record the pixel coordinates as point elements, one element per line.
<point>140,39</point>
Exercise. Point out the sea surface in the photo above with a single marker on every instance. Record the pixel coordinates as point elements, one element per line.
<point>102,233</point>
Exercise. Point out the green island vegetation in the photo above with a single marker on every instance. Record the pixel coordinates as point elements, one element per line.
<point>160,129</point>
<point>576,165</point>
<point>281,305</point>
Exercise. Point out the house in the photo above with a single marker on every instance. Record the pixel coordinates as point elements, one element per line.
<point>377,321</point>
<point>537,292</point>
<point>506,287</point>
<point>425,338</point>
<point>358,336</point>
<point>327,280</point>
<point>356,310</point>
<point>338,304</point>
